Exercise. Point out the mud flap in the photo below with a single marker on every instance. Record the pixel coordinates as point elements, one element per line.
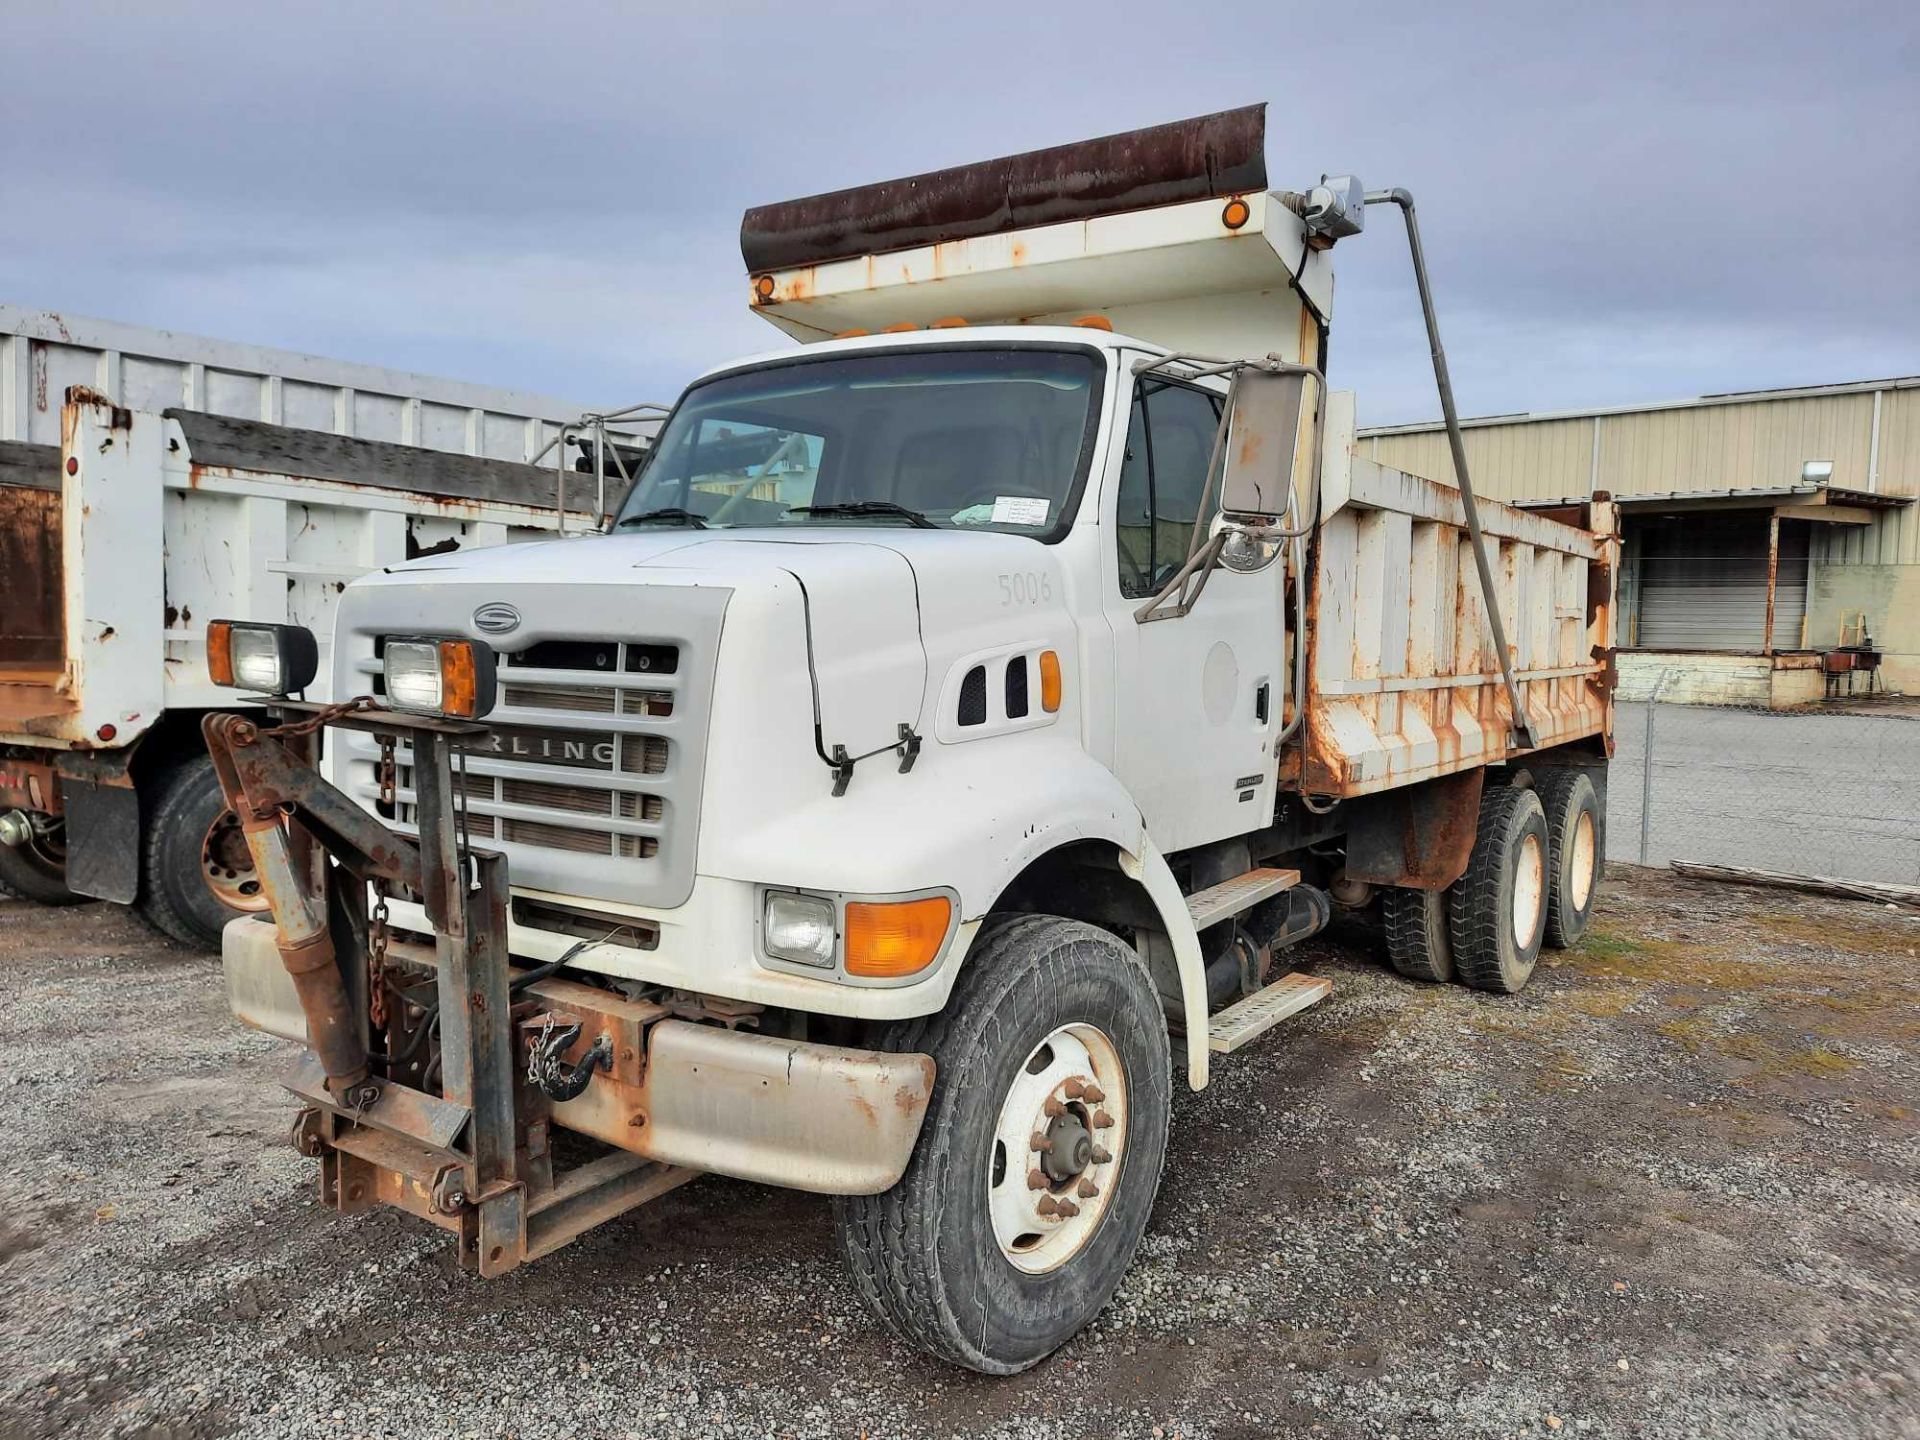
<point>103,839</point>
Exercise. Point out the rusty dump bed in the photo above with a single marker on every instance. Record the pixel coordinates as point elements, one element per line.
<point>1211,155</point>
<point>32,639</point>
<point>1404,683</point>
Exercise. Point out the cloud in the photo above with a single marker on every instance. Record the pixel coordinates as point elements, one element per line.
<point>1622,202</point>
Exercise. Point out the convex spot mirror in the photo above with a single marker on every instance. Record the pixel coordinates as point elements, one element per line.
<point>1272,435</point>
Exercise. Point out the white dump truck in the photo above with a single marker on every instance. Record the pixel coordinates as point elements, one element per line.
<point>149,481</point>
<point>964,715</point>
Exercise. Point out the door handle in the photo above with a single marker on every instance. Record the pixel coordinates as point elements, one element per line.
<point>1260,702</point>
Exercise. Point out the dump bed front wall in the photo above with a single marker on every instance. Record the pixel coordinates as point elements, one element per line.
<point>1404,680</point>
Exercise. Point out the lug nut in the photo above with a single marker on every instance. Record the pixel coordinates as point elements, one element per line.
<point>1053,1108</point>
<point>1101,1155</point>
<point>1093,1094</point>
<point>1048,1206</point>
<point>1036,1179</point>
<point>1075,1088</point>
<point>1102,1120</point>
<point>1086,1190</point>
<point>1067,1209</point>
<point>1040,1142</point>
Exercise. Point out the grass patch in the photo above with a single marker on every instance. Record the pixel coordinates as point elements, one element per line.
<point>1860,935</point>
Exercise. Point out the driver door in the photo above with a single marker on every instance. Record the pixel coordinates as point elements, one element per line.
<point>1197,700</point>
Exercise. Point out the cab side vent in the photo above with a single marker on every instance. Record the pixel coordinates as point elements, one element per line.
<point>973,697</point>
<point>1017,688</point>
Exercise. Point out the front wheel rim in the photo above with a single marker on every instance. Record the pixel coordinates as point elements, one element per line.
<point>1058,1146</point>
<point>227,865</point>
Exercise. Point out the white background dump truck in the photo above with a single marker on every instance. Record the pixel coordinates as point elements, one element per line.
<point>149,481</point>
<point>961,719</point>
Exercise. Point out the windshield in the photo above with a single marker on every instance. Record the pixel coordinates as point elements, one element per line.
<point>958,438</point>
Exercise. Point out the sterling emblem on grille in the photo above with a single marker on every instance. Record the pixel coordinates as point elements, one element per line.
<point>496,618</point>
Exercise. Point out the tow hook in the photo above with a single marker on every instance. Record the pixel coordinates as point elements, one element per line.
<point>558,1081</point>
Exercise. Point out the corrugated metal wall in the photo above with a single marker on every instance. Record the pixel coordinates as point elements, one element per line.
<point>1731,445</point>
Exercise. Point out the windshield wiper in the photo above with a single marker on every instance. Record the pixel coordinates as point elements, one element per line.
<point>868,507</point>
<point>666,512</point>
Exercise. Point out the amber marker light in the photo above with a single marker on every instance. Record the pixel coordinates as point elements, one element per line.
<point>460,680</point>
<point>220,652</point>
<point>1236,214</point>
<point>887,940</point>
<point>1049,681</point>
<point>763,288</point>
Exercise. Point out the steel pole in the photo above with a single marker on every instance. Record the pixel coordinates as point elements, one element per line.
<point>1404,200</point>
<point>1646,774</point>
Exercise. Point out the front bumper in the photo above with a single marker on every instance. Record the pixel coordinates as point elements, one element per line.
<point>824,1118</point>
<point>436,1074</point>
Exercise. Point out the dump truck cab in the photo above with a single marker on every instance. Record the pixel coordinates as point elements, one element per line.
<point>958,720</point>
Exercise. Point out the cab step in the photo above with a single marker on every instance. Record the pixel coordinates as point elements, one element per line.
<point>1252,1017</point>
<point>1238,895</point>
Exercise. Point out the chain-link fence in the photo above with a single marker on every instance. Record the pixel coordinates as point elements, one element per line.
<point>1834,795</point>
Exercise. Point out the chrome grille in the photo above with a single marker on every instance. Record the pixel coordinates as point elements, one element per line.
<point>590,775</point>
<point>565,760</point>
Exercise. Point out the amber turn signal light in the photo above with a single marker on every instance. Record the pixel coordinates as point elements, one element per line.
<point>1049,681</point>
<point>889,939</point>
<point>220,652</point>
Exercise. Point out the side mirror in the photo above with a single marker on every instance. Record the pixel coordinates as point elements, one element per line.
<point>1273,429</point>
<point>1267,454</point>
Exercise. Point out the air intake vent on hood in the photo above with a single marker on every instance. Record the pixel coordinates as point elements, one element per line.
<point>973,697</point>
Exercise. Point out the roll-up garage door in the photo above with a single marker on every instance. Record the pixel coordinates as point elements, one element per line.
<point>1703,582</point>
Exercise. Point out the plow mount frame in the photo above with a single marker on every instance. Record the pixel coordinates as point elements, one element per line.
<point>475,1159</point>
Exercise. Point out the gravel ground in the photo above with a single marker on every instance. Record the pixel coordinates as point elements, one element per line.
<point>1671,1191</point>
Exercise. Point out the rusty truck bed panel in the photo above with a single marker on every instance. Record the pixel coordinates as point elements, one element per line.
<point>32,628</point>
<point>1404,683</point>
<point>117,547</point>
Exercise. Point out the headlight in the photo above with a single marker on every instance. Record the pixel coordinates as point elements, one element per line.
<point>799,928</point>
<point>454,678</point>
<point>269,659</point>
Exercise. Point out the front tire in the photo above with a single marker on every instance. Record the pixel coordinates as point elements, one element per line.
<point>1497,911</point>
<point>990,1253</point>
<point>195,871</point>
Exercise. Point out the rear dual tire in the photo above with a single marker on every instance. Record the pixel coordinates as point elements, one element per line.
<point>1497,910</point>
<point>1576,836</point>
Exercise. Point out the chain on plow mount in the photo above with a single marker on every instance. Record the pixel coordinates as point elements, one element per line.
<point>466,1144</point>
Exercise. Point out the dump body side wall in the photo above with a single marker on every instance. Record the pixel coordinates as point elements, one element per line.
<point>1404,683</point>
<point>42,352</point>
<point>113,567</point>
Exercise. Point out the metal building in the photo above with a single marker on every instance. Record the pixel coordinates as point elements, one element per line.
<point>1772,543</point>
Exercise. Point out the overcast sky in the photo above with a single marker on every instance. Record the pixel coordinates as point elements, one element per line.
<point>1622,202</point>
